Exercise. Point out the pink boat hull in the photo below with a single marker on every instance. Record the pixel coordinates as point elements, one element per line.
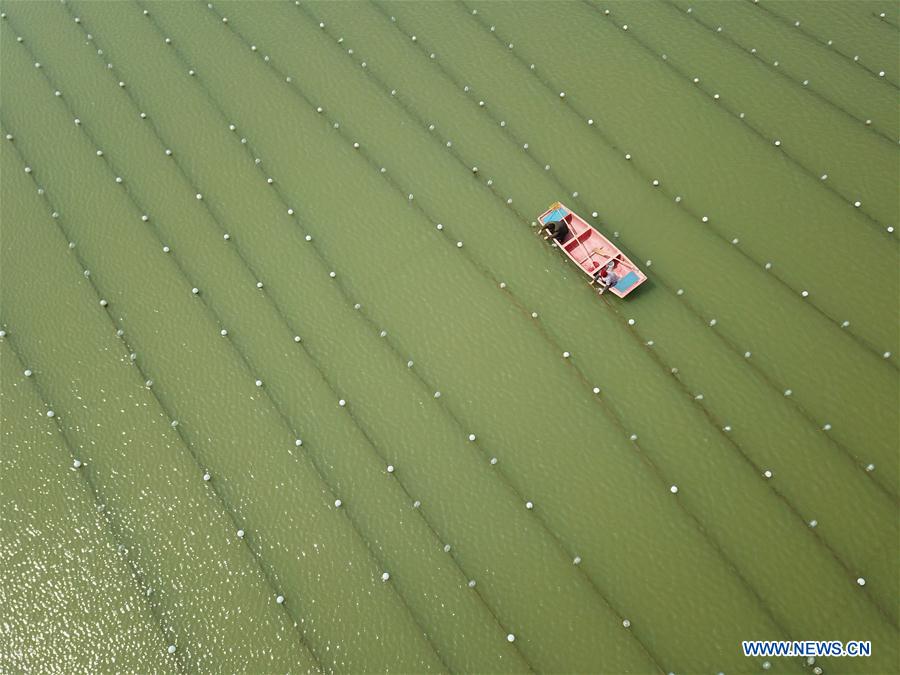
<point>591,251</point>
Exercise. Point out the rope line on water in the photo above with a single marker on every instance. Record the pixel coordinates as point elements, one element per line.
<point>713,228</point>
<point>147,383</point>
<point>757,468</point>
<point>827,44</point>
<point>699,314</point>
<point>145,590</point>
<point>397,187</point>
<point>701,529</point>
<point>774,66</point>
<point>366,435</point>
<point>695,311</point>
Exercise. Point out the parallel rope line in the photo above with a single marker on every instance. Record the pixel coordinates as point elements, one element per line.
<point>777,69</point>
<point>359,423</point>
<point>731,345</point>
<point>145,590</point>
<point>713,229</point>
<point>756,468</point>
<point>827,44</point>
<point>728,341</point>
<point>320,370</point>
<point>228,510</point>
<point>247,366</point>
<point>699,525</point>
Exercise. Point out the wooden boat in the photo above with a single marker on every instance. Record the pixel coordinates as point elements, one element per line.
<point>591,251</point>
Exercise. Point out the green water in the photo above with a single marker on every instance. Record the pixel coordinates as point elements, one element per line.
<point>765,339</point>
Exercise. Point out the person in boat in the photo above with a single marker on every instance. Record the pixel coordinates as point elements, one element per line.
<point>558,229</point>
<point>606,277</point>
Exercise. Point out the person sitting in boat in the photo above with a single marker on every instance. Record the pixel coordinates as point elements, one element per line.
<point>558,229</point>
<point>606,277</point>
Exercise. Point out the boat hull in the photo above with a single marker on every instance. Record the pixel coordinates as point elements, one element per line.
<point>591,251</point>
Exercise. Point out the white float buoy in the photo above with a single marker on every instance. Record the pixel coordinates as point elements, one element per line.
<point>337,503</point>
<point>471,437</point>
<point>655,182</point>
<point>104,303</point>
<point>529,505</point>
<point>510,637</point>
<point>195,291</point>
<point>417,504</point>
<point>447,548</point>
<point>633,437</point>
<point>240,534</point>
<point>566,355</point>
<point>777,143</point>
<point>767,473</point>
<point>596,390</point>
<point>259,284</point>
<point>630,322</point>
<point>674,489</point>
<point>471,583</point>
<point>390,468</point>
<point>626,623</point>
<point>493,461</point>
<point>788,392</point>
<point>342,403</point>
<point>76,464</point>
<point>280,599</point>
<point>826,427</point>
<point>861,581</point>
<point>385,576</point>
<point>171,649</point>
<point>437,394</point>
<point>886,355</point>
<point>50,413</point>
<point>27,372</point>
